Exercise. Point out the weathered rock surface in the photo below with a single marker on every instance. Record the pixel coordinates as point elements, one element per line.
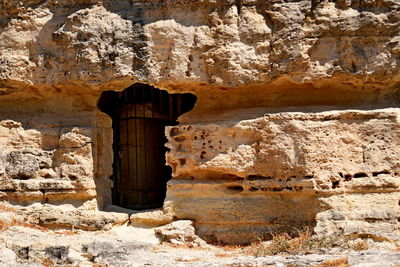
<point>336,170</point>
<point>180,232</point>
<point>129,246</point>
<point>296,120</point>
<point>151,218</point>
<point>32,170</point>
<point>227,43</point>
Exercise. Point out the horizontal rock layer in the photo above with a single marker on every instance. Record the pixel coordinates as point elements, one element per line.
<point>226,43</point>
<point>295,121</point>
<point>286,170</point>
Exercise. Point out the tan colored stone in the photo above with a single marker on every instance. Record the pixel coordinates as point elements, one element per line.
<point>271,174</point>
<point>151,218</point>
<point>295,116</point>
<point>180,233</point>
<point>71,218</point>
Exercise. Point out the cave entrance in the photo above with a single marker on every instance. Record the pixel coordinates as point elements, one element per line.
<point>139,116</point>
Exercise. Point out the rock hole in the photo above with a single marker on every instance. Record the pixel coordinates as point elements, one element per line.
<point>348,177</point>
<point>341,174</point>
<point>308,176</point>
<point>72,177</point>
<point>253,188</point>
<point>190,57</point>
<point>378,173</point>
<point>9,190</point>
<point>360,175</point>
<point>23,176</point>
<point>23,253</point>
<point>235,188</point>
<point>195,138</point>
<point>335,184</point>
<point>257,177</point>
<point>174,131</point>
<point>353,67</point>
<point>211,147</point>
<point>182,161</point>
<point>276,189</point>
<point>180,138</point>
<point>57,252</point>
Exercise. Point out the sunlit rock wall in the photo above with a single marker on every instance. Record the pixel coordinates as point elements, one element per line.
<point>296,121</point>
<point>335,170</point>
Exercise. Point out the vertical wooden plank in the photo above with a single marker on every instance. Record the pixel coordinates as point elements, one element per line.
<point>124,158</point>
<point>141,150</point>
<point>142,142</point>
<point>123,137</point>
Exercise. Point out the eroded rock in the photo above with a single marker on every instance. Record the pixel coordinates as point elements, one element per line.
<point>180,232</point>
<point>296,119</point>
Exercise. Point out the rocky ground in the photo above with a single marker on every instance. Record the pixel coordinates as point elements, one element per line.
<point>174,245</point>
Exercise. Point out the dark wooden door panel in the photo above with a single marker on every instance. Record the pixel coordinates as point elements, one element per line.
<point>140,174</point>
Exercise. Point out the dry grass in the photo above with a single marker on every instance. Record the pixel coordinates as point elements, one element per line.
<point>303,242</point>
<point>359,246</point>
<point>284,243</point>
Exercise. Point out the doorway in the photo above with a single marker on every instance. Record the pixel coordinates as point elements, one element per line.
<point>139,116</point>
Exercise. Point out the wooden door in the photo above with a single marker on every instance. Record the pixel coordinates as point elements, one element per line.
<point>140,114</point>
<point>141,152</point>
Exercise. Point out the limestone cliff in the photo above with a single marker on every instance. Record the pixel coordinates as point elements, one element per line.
<point>296,120</point>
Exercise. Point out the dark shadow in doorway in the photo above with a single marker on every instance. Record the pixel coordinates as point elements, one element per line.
<point>139,115</point>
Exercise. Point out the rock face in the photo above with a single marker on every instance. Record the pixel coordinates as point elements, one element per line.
<point>296,121</point>
<point>228,43</point>
<point>289,169</point>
